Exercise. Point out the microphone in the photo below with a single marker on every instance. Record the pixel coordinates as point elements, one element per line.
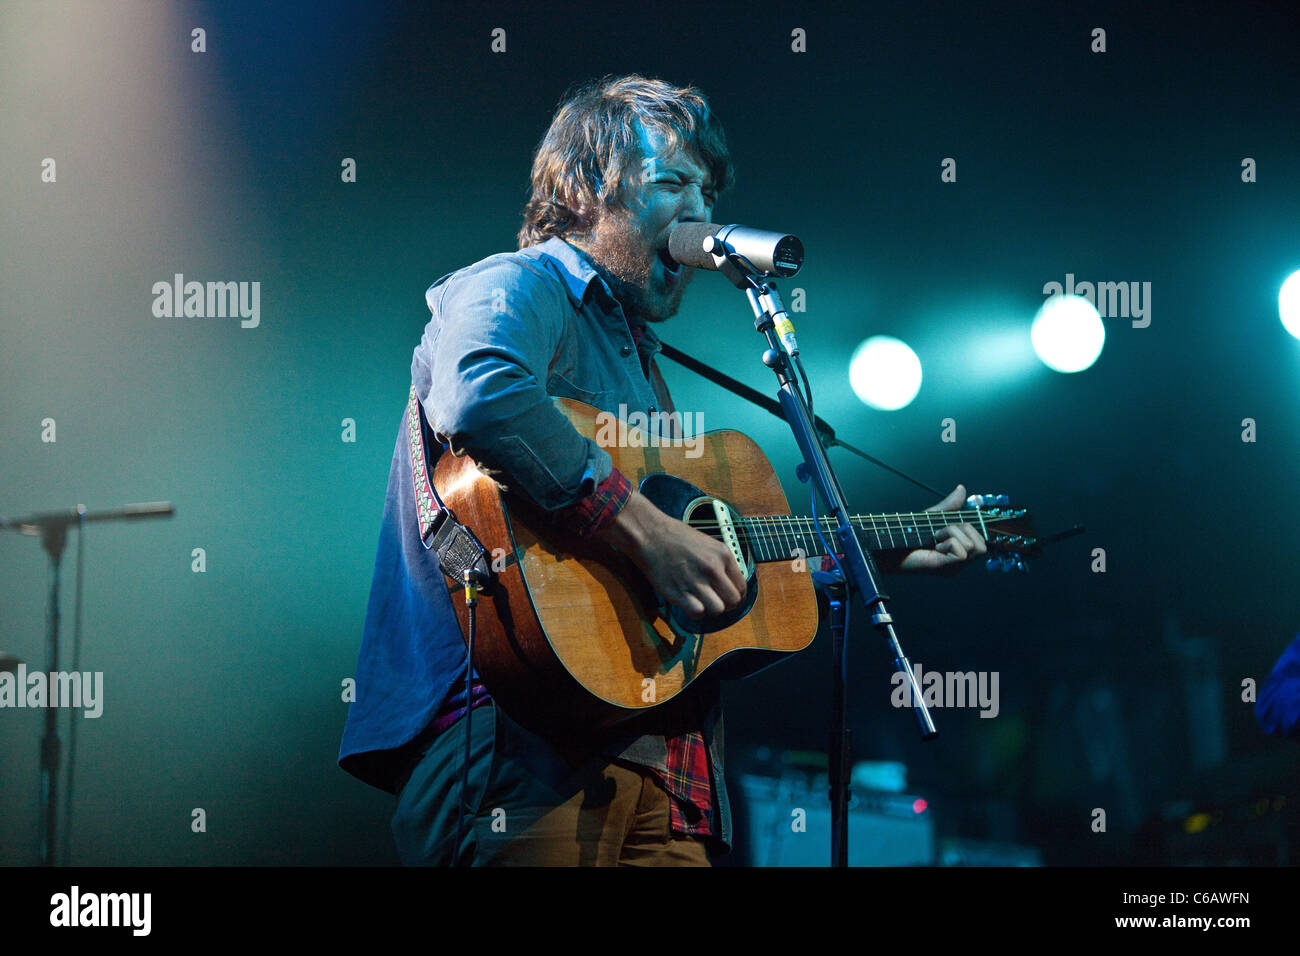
<point>770,253</point>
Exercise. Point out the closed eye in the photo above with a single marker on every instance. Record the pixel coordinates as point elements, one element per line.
<point>710,196</point>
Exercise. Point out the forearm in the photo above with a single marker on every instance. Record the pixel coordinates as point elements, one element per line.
<point>634,526</point>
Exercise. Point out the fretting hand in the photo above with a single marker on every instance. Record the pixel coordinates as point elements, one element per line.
<point>955,545</point>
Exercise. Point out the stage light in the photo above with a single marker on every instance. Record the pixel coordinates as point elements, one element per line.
<point>885,373</point>
<point>1068,333</point>
<point>1288,304</point>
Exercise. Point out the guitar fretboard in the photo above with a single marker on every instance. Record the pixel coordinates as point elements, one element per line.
<point>784,538</point>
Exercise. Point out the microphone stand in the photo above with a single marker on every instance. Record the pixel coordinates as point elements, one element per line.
<point>858,568</point>
<point>53,530</point>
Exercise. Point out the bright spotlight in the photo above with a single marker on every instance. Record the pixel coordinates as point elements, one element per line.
<point>1068,333</point>
<point>885,373</point>
<point>1288,304</point>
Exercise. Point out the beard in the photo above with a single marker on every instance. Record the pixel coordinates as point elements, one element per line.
<point>630,265</point>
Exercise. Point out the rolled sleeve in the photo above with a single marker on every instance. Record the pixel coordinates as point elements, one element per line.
<point>480,373</point>
<point>598,510</point>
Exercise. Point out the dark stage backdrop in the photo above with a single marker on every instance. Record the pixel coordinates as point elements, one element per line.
<point>224,635</point>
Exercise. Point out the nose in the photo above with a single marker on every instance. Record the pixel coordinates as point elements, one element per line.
<point>694,206</point>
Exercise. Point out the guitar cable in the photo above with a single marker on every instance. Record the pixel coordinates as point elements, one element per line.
<point>471,604</point>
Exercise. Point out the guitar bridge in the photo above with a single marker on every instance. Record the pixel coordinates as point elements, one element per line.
<point>727,531</point>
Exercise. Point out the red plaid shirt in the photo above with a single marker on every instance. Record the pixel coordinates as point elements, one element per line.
<point>687,780</point>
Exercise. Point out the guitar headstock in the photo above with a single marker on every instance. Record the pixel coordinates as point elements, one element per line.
<point>1009,532</point>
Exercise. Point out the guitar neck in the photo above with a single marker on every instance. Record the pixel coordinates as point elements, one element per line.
<point>783,538</point>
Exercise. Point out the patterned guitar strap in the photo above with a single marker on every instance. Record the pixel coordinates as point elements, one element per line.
<point>458,550</point>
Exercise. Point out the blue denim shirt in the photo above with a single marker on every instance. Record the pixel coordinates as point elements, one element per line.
<point>506,335</point>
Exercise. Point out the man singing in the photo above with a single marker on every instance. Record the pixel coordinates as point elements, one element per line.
<point>571,314</point>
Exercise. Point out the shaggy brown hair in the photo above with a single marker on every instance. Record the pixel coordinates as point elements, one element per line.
<point>592,145</point>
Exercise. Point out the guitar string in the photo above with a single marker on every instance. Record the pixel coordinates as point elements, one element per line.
<point>878,516</point>
<point>783,529</point>
<point>777,543</point>
<point>900,522</point>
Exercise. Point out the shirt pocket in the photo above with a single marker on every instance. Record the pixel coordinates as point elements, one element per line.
<point>560,387</point>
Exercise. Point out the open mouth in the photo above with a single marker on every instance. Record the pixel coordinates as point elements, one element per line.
<point>671,266</point>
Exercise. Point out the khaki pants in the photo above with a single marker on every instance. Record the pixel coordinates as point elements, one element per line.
<point>526,805</point>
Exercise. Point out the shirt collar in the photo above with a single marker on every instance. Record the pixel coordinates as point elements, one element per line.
<point>576,270</point>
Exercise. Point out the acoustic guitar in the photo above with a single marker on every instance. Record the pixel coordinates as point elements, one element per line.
<point>571,634</point>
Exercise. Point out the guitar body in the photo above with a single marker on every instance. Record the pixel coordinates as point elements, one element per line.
<point>572,636</point>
